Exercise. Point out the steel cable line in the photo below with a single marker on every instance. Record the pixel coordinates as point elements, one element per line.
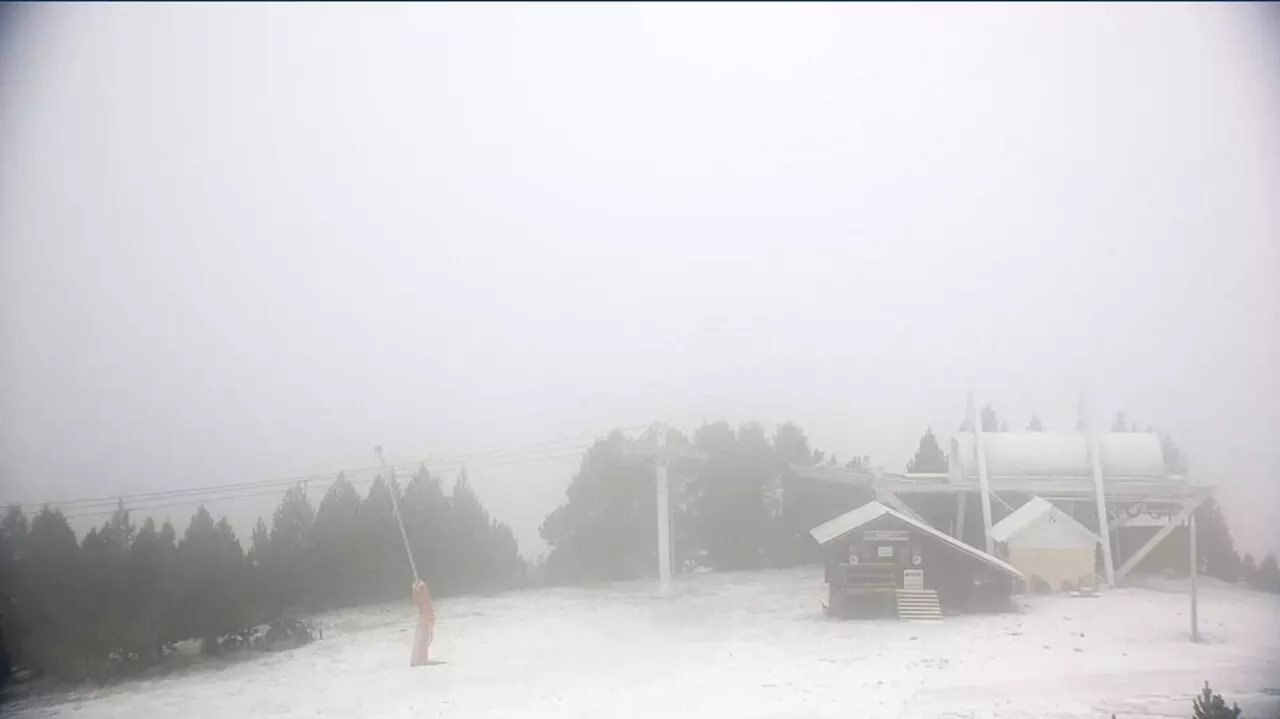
<point>279,485</point>
<point>536,451</point>
<point>560,453</point>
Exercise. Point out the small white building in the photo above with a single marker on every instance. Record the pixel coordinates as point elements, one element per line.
<point>1045,543</point>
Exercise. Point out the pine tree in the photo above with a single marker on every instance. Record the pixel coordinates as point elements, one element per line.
<point>804,505</point>
<point>1212,706</point>
<point>470,515</point>
<point>791,446</point>
<point>1249,570</point>
<point>990,420</point>
<point>211,561</point>
<point>237,610</point>
<point>1214,544</point>
<point>119,532</point>
<point>735,511</point>
<point>759,454</point>
<point>384,566</point>
<point>336,546</point>
<point>929,457</point>
<point>1268,576</point>
<point>170,585</point>
<point>261,591</point>
<point>1035,425</point>
<point>605,528</point>
<point>147,595</point>
<point>13,529</point>
<point>503,568</point>
<point>288,559</point>
<point>1121,422</point>
<point>168,536</point>
<point>93,552</point>
<point>428,519</point>
<point>292,522</point>
<point>107,619</point>
<point>470,533</point>
<point>1174,459</point>
<point>13,539</point>
<point>260,541</point>
<point>53,599</point>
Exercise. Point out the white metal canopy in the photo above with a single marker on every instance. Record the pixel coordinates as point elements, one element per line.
<point>1063,455</point>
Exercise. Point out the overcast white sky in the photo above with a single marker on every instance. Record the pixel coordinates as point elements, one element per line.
<point>245,241</point>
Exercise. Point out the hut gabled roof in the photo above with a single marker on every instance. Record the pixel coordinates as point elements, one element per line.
<point>1029,513</point>
<point>849,521</point>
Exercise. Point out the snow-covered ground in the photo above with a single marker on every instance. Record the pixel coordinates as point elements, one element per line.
<point>739,645</point>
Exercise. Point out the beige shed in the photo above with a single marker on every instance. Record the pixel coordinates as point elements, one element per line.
<point>1045,543</point>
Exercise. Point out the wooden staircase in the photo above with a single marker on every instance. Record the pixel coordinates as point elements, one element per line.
<point>918,605</point>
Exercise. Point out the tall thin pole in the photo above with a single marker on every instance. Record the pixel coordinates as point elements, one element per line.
<point>395,509</point>
<point>664,511</point>
<point>1085,424</point>
<point>984,486</point>
<point>961,499</point>
<point>1100,498</point>
<point>1195,569</point>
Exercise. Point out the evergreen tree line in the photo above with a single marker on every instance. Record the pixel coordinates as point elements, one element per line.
<point>735,504</point>
<point>1263,576</point>
<point>120,599</point>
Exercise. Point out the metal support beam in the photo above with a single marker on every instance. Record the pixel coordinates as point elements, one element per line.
<point>1187,508</point>
<point>984,483</point>
<point>891,499</point>
<point>1195,568</point>
<point>1001,501</point>
<point>389,477</point>
<point>664,511</point>
<point>1108,563</point>
<point>1126,520</point>
<point>960,502</point>
<point>1118,489</point>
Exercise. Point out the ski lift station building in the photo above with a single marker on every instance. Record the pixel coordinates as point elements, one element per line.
<point>1101,480</point>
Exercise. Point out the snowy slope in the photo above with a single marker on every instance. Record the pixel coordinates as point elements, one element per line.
<point>739,645</point>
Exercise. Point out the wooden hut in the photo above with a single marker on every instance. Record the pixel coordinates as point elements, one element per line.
<point>881,562</point>
<point>1055,551</point>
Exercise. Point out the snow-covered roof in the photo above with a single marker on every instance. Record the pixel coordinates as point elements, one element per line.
<point>850,521</point>
<point>847,522</point>
<point>1031,512</point>
<point>1021,517</point>
<point>1131,455</point>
